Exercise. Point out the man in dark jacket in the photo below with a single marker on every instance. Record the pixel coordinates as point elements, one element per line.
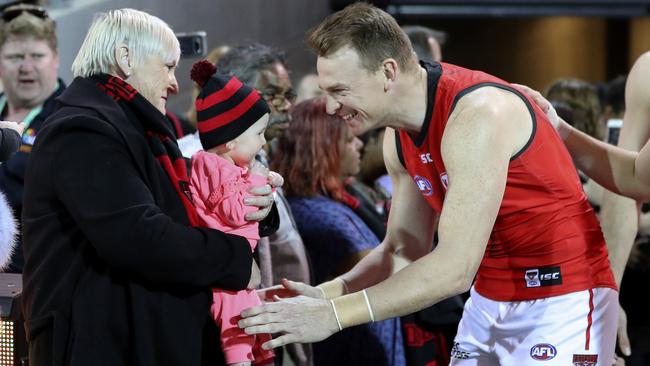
<point>116,271</point>
<point>29,63</point>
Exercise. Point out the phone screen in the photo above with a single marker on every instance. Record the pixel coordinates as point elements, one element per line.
<point>613,130</point>
<point>193,44</point>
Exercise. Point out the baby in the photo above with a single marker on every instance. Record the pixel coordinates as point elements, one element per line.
<point>231,119</point>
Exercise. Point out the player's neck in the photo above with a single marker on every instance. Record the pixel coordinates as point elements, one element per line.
<point>411,103</point>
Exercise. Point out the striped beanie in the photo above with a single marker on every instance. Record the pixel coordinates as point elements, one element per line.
<point>225,107</point>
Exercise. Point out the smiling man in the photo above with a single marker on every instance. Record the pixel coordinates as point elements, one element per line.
<point>469,150</point>
<point>28,67</point>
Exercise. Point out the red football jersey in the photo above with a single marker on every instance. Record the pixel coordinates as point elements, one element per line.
<point>546,240</point>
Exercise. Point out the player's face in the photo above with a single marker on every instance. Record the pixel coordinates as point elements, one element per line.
<point>353,93</point>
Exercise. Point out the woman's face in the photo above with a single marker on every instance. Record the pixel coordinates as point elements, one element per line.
<point>155,80</point>
<point>350,147</point>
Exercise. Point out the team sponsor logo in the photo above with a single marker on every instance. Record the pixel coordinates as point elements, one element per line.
<point>532,278</point>
<point>585,360</point>
<point>543,352</point>
<point>423,185</point>
<point>458,353</point>
<point>544,276</point>
<point>444,180</point>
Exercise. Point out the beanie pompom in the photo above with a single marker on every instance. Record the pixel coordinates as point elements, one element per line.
<point>202,71</point>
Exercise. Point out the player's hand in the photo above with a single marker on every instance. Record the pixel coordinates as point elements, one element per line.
<point>298,319</point>
<point>289,289</point>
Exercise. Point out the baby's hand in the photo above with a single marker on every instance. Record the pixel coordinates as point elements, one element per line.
<point>275,179</point>
<point>258,168</point>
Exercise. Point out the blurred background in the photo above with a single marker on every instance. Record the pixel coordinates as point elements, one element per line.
<point>526,41</point>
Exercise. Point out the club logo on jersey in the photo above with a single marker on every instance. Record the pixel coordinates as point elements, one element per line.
<point>543,352</point>
<point>585,360</point>
<point>545,276</point>
<point>423,185</point>
<point>444,179</point>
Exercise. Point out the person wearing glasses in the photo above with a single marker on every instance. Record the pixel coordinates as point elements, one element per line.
<point>118,270</point>
<point>29,64</point>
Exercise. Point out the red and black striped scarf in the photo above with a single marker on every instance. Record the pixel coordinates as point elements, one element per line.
<point>161,139</point>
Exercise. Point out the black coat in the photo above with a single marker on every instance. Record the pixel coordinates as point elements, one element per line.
<point>113,273</point>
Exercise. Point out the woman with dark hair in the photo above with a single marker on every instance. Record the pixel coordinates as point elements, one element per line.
<point>315,156</point>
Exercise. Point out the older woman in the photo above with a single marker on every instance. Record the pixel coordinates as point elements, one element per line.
<point>116,271</point>
<point>315,156</point>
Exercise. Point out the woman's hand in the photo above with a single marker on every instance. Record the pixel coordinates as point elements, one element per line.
<point>562,128</point>
<point>262,198</point>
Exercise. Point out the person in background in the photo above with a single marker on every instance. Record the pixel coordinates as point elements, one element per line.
<point>308,88</point>
<point>117,269</point>
<point>427,43</point>
<point>29,63</point>
<point>578,102</point>
<point>315,156</point>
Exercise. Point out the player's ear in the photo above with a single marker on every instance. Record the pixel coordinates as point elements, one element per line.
<point>389,70</point>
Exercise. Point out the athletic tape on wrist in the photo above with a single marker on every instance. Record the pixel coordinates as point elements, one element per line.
<point>336,315</point>
<point>334,288</point>
<point>372,315</point>
<point>352,310</point>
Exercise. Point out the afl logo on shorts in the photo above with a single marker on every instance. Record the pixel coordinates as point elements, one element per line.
<point>543,352</point>
<point>423,185</point>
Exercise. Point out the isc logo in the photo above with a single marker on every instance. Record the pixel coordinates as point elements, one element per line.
<point>543,352</point>
<point>426,158</point>
<point>549,276</point>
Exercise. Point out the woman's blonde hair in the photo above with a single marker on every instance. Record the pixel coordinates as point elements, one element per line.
<point>144,34</point>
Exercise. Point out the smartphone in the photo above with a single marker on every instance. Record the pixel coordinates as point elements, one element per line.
<point>193,44</point>
<point>613,130</point>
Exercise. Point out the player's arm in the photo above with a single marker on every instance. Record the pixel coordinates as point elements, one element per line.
<point>620,169</point>
<point>409,234</point>
<point>618,212</point>
<point>487,127</point>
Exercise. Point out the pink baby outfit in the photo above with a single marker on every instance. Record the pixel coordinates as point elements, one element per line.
<point>218,190</point>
